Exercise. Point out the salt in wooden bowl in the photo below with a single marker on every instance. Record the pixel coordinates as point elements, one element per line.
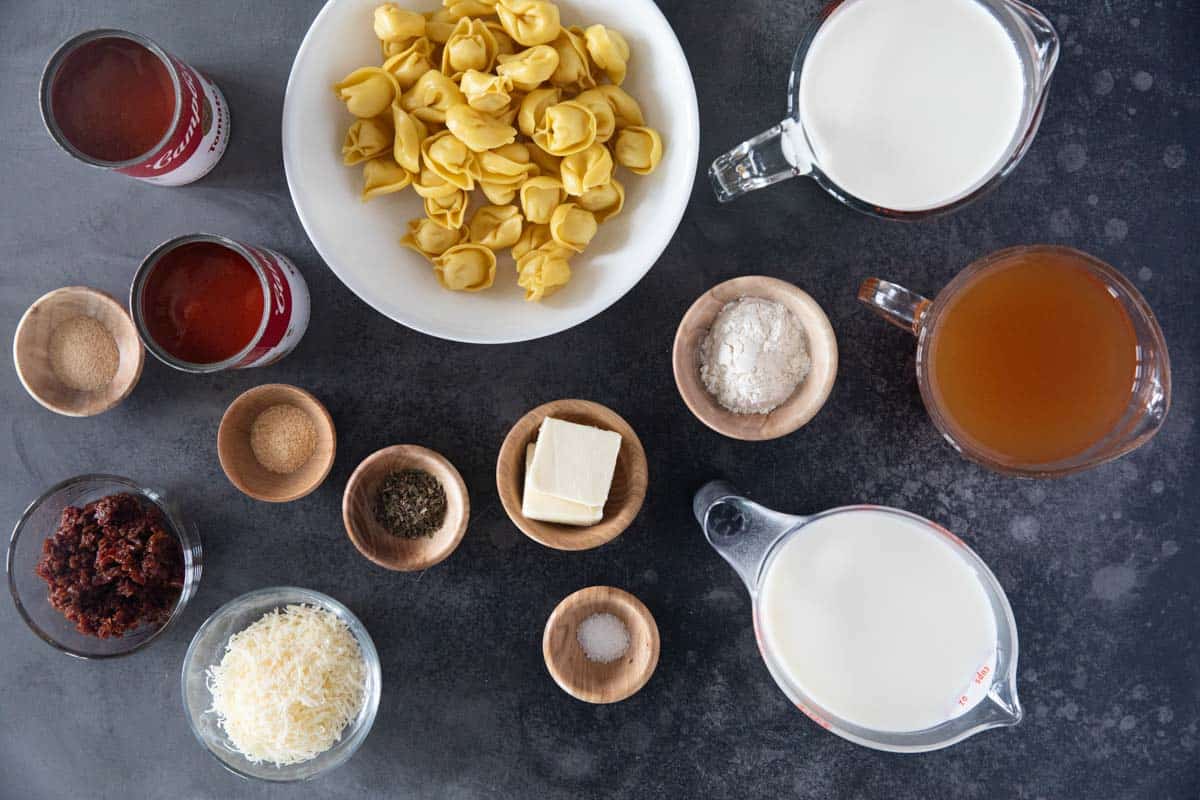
<point>805,401</point>
<point>594,681</point>
<point>31,351</point>
<point>373,540</point>
<point>625,498</point>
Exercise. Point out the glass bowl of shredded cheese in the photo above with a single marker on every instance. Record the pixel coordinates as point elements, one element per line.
<point>281,684</point>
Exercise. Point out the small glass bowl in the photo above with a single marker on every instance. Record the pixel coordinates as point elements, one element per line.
<point>208,648</point>
<point>30,593</point>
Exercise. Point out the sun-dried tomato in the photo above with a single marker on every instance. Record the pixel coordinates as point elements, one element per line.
<point>112,566</point>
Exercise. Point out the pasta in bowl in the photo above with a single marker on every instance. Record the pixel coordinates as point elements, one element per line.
<point>490,134</point>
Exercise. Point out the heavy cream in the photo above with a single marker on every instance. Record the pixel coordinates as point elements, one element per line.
<point>909,105</point>
<point>879,620</point>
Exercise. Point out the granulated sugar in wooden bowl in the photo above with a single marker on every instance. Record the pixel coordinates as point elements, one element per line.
<point>276,443</point>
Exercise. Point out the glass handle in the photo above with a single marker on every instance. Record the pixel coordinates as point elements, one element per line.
<point>740,530</point>
<point>897,305</point>
<point>770,157</point>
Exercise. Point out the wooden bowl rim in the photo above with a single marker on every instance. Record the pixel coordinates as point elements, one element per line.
<point>808,399</point>
<point>120,313</point>
<point>452,481</point>
<point>322,420</point>
<point>569,537</point>
<point>610,598</point>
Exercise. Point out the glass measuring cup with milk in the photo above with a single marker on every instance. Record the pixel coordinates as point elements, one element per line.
<point>905,109</point>
<point>881,626</point>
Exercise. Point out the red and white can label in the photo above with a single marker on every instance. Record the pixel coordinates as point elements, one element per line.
<point>199,138</point>
<point>287,309</point>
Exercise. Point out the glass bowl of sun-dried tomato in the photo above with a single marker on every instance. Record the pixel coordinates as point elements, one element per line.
<point>99,566</point>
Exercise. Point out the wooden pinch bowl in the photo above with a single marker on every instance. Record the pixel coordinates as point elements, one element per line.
<point>629,483</point>
<point>237,457</point>
<point>809,396</point>
<point>594,681</point>
<point>373,540</point>
<point>31,350</point>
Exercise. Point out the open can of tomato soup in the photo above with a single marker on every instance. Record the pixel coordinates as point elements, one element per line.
<point>118,101</point>
<point>205,303</point>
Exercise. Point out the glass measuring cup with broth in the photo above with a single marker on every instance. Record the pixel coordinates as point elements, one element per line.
<point>879,625</point>
<point>1036,361</point>
<point>905,109</point>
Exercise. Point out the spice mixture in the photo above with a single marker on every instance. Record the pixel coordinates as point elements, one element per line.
<point>83,354</point>
<point>411,503</point>
<point>283,438</point>
<point>112,566</point>
<point>754,356</point>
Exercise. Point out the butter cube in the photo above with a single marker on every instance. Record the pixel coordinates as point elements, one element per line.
<point>574,462</point>
<point>543,507</point>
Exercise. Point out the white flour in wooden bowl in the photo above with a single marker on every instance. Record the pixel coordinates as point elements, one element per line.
<point>754,356</point>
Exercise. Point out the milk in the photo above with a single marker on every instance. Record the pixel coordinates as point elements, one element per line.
<point>879,620</point>
<point>909,104</point>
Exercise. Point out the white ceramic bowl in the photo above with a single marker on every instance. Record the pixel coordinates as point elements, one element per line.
<point>360,241</point>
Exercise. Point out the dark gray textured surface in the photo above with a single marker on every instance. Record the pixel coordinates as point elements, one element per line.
<point>1100,568</point>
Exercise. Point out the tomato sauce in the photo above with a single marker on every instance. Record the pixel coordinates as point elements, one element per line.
<point>203,303</point>
<point>113,99</point>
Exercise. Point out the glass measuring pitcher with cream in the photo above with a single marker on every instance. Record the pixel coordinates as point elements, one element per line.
<point>881,626</point>
<point>905,109</point>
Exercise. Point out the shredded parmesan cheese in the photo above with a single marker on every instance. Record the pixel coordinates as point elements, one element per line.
<point>288,685</point>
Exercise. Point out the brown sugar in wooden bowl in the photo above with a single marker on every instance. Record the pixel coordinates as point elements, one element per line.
<point>32,351</point>
<point>373,540</point>
<point>594,681</point>
<point>809,396</point>
<point>237,456</point>
<point>629,483</point>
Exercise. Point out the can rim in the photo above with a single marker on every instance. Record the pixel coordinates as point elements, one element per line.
<point>139,285</point>
<point>50,72</point>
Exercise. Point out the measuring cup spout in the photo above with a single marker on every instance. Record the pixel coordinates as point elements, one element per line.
<point>741,530</point>
<point>1043,40</point>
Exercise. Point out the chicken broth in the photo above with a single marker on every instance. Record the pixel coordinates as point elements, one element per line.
<point>1034,360</point>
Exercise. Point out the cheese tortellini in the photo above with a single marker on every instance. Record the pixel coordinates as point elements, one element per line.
<point>573,68</point>
<point>529,22</point>
<point>366,139</point>
<point>572,227</point>
<point>409,64</point>
<point>383,176</point>
<point>502,97</point>
<point>609,50</point>
<point>485,92</point>
<point>496,227</point>
<point>450,158</point>
<point>605,202</point>
<point>566,128</point>
<point>539,198</point>
<point>368,91</point>
<point>530,68</point>
<point>586,170</point>
<point>542,272</point>
<point>466,267</point>
<point>640,149</point>
<point>431,239</point>
<point>477,130</point>
<point>471,46</point>
<point>431,96</point>
<point>394,24</point>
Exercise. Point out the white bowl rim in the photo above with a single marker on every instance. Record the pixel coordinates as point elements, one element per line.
<point>692,122</point>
